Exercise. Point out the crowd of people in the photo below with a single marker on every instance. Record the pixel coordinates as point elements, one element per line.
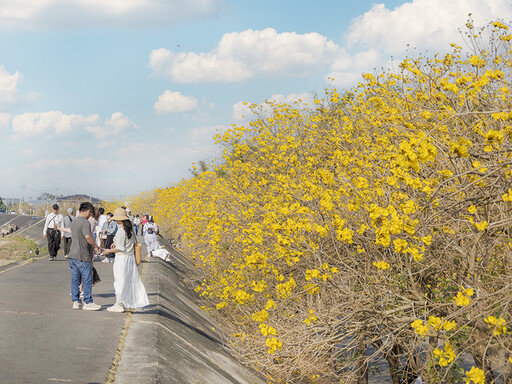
<point>91,234</point>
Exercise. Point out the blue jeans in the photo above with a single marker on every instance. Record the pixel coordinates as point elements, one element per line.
<point>136,228</point>
<point>81,271</point>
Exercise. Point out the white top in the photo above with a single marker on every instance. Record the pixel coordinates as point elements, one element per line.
<point>122,242</point>
<point>102,220</point>
<point>53,221</point>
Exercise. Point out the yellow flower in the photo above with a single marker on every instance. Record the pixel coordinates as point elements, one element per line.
<point>475,375</point>
<point>311,317</point>
<point>419,328</point>
<point>267,330</point>
<point>273,345</point>
<point>508,196</point>
<point>381,265</point>
<point>435,322</point>
<point>449,325</point>
<point>260,316</point>
<point>462,300</point>
<point>499,325</point>
<point>446,356</point>
<point>270,304</point>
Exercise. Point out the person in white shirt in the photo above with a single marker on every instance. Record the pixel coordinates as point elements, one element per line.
<point>51,233</point>
<point>102,220</point>
<point>66,237</point>
<point>136,224</point>
<point>150,233</point>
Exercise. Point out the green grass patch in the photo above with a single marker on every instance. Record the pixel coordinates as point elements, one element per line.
<point>16,248</point>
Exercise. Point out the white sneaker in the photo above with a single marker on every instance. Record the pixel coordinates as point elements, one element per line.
<point>105,260</point>
<point>116,308</point>
<point>77,304</point>
<point>91,307</point>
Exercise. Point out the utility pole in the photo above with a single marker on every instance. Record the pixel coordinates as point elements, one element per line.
<point>21,200</point>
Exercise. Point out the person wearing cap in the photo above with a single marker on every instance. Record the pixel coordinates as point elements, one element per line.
<point>51,233</point>
<point>66,236</point>
<point>129,289</point>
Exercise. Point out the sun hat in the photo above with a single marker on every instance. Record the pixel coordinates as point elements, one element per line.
<point>120,214</point>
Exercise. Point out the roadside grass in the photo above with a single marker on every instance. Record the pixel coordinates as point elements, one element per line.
<point>16,248</point>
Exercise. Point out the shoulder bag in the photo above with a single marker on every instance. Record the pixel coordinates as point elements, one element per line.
<point>137,249</point>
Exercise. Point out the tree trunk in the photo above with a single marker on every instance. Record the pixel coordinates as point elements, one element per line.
<point>362,364</point>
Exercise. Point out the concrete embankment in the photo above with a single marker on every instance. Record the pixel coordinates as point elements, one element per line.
<point>171,341</point>
<point>30,227</point>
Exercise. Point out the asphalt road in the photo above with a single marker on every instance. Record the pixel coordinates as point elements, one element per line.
<point>43,340</point>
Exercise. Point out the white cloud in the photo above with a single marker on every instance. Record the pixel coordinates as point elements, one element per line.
<point>26,152</point>
<point>424,24</point>
<point>242,110</point>
<point>85,164</point>
<point>45,122</point>
<point>38,123</point>
<point>206,133</point>
<point>5,120</point>
<point>58,14</point>
<point>111,127</point>
<point>174,102</point>
<point>347,70</point>
<point>244,55</point>
<point>9,93</point>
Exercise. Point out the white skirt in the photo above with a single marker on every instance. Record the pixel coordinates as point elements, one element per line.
<point>151,242</point>
<point>130,291</point>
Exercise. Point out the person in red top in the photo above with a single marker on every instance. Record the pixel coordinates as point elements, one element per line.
<point>145,220</point>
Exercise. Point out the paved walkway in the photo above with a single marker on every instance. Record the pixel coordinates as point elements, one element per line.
<point>42,339</point>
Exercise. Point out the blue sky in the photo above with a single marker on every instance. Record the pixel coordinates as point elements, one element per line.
<point>114,97</point>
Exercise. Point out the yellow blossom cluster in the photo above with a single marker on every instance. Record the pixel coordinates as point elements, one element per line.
<point>370,206</point>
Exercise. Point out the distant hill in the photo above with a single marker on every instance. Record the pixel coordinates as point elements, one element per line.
<point>80,198</point>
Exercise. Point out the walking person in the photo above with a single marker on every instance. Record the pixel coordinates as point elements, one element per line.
<point>129,289</point>
<point>110,229</point>
<point>136,224</point>
<point>51,233</point>
<point>150,231</point>
<point>66,236</point>
<point>80,258</point>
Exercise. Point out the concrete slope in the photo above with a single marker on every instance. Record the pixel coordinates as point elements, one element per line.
<point>175,342</point>
<point>29,226</point>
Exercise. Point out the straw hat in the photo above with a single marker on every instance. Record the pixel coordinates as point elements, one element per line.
<point>120,214</point>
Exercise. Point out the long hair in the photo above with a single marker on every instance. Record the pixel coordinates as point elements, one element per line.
<point>127,226</point>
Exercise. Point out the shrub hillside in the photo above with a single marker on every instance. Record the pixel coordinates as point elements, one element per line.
<point>374,223</point>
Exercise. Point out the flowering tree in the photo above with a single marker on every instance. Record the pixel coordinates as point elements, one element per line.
<point>373,223</point>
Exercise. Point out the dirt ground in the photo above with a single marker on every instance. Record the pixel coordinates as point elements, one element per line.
<point>15,248</point>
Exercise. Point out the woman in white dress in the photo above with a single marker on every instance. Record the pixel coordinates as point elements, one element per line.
<point>150,231</point>
<point>130,291</point>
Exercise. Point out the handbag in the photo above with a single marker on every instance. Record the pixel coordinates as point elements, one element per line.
<point>103,236</point>
<point>137,250</point>
<point>95,276</point>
